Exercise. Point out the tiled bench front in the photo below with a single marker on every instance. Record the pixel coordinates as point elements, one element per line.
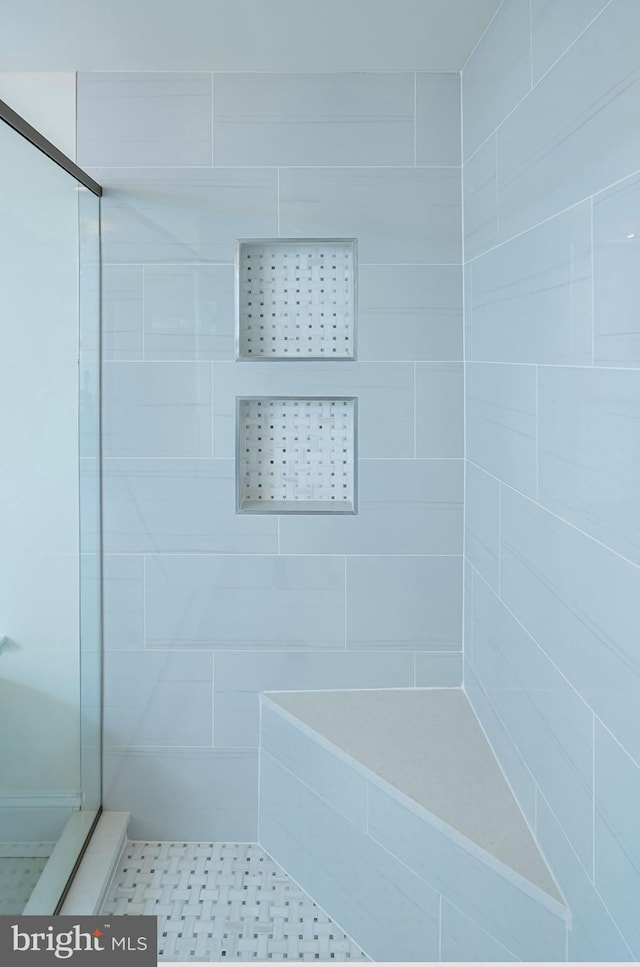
<point>389,808</point>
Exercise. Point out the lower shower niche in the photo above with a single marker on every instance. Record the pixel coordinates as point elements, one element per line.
<point>296,455</point>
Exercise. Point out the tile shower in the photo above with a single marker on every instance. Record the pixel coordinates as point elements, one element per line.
<point>205,609</point>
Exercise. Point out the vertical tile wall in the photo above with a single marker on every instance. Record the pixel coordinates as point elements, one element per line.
<point>551,148</point>
<point>203,608</point>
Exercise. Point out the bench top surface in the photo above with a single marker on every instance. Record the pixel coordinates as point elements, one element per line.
<point>428,744</point>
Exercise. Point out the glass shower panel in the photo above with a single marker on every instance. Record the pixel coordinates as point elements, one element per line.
<point>49,524</point>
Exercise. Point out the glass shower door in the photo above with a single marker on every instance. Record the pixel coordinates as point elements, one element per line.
<point>50,613</point>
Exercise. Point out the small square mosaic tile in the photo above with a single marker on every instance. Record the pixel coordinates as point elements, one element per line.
<point>223,901</point>
<point>20,867</point>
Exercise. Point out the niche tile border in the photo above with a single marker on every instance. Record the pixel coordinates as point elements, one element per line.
<point>296,455</point>
<point>295,299</point>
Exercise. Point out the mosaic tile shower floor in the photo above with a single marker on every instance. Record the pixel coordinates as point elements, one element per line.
<point>223,901</point>
<point>20,867</point>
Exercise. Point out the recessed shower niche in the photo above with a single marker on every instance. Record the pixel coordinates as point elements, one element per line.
<point>295,299</point>
<point>296,455</point>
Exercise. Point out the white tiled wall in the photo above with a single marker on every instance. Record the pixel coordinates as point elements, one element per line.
<point>205,608</point>
<point>552,218</point>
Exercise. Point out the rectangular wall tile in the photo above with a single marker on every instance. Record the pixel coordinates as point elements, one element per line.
<point>482,523</point>
<point>548,722</point>
<point>240,676</point>
<point>480,200</point>
<point>439,669</point>
<point>179,505</point>
<point>184,214</point>
<point>156,409</point>
<point>188,312</point>
<point>616,263</point>
<point>593,933</point>
<point>518,922</point>
<point>144,118</point>
<point>464,940</point>
<point>404,602</point>
<point>532,295</point>
<point>501,422</point>
<point>123,601</point>
<point>188,795</point>
<point>498,74</point>
<point>397,214</point>
<point>244,602</point>
<point>589,422</point>
<point>158,698</point>
<point>122,301</point>
<point>573,136</point>
<point>573,597</point>
<point>336,781</point>
<point>386,908</point>
<point>409,312</point>
<point>384,392</point>
<point>511,762</point>
<point>313,119</point>
<point>439,409</point>
<point>555,26</point>
<point>438,119</point>
<point>404,507</point>
<point>617,837</point>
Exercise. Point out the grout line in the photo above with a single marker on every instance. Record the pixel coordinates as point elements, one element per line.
<point>345,602</point>
<point>552,513</point>
<point>593,301</point>
<point>537,440</point>
<point>143,314</point>
<point>500,539</point>
<point>415,412</point>
<point>573,43</point>
<point>593,796</point>
<point>213,698</point>
<point>481,38</point>
<point>212,115</point>
<point>144,601</point>
<point>415,118</point>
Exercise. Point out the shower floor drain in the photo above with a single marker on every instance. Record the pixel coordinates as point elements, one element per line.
<point>223,901</point>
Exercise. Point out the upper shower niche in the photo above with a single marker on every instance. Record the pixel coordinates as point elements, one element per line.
<point>295,298</point>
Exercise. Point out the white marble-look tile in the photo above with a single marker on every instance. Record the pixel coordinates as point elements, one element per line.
<point>204,601</point>
<point>438,119</point>
<point>532,295</point>
<point>482,523</point>
<point>169,792</point>
<point>123,601</point>
<point>384,392</point>
<point>404,602</point>
<point>480,200</point>
<point>589,452</point>
<point>548,722</point>
<point>142,687</point>
<point>439,400</point>
<point>313,119</point>
<point>188,312</point>
<point>555,26</point>
<point>404,507</point>
<point>398,215</point>
<point>143,118</point>
<point>409,312</point>
<point>501,422</point>
<point>179,505</point>
<point>574,134</point>
<point>498,74</point>
<point>239,677</point>
<point>574,597</point>
<point>616,264</point>
<point>617,838</point>
<point>465,940</point>
<point>312,763</point>
<point>188,215</point>
<point>593,935</point>
<point>122,301</point>
<point>156,409</point>
<point>385,907</point>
